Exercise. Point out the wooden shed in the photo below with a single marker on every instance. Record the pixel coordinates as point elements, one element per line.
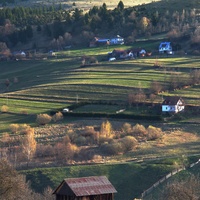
<point>85,188</point>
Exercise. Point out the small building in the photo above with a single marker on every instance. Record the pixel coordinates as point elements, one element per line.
<point>85,188</point>
<point>165,47</point>
<point>173,104</point>
<point>107,41</point>
<point>117,40</point>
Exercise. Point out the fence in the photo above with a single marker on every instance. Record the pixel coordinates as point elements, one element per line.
<point>146,192</point>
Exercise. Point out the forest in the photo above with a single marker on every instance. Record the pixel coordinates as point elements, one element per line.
<point>58,27</point>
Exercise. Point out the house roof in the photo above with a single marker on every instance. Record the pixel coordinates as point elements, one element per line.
<point>172,100</point>
<point>86,186</point>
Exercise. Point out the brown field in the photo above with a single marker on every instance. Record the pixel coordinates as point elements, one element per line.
<point>86,4</point>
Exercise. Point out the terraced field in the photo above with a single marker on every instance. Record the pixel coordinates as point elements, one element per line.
<point>64,81</point>
<point>40,86</point>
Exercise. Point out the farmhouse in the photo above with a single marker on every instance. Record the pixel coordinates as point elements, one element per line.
<point>165,47</point>
<point>107,41</point>
<point>85,188</point>
<point>173,104</point>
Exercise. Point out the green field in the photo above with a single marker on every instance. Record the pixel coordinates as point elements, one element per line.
<point>40,86</point>
<point>129,179</point>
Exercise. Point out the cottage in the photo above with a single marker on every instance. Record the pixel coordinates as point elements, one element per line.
<point>165,47</point>
<point>117,40</point>
<point>173,104</point>
<point>85,188</point>
<point>106,41</point>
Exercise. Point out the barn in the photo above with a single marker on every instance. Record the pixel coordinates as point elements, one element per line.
<point>85,188</point>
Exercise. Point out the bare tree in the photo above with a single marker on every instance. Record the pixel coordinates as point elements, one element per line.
<point>185,189</point>
<point>155,87</point>
<point>13,186</point>
<point>29,144</point>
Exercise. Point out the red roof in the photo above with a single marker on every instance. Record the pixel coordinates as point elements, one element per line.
<point>93,185</point>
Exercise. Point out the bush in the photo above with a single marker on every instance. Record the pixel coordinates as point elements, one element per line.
<point>127,128</point>
<point>57,117</point>
<point>129,143</point>
<point>14,128</point>
<point>80,141</point>
<point>139,130</point>
<point>23,129</point>
<point>112,149</point>
<point>153,133</point>
<point>4,109</point>
<point>43,119</point>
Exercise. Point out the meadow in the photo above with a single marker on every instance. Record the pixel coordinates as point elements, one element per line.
<point>139,176</point>
<point>40,86</point>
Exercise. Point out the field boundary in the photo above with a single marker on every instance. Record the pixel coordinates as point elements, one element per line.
<point>155,185</point>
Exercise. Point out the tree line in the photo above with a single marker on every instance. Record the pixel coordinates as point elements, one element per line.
<point>55,22</point>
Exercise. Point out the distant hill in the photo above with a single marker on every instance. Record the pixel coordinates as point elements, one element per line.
<point>87,4</point>
<point>83,4</point>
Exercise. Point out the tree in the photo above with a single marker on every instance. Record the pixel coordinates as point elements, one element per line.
<point>47,194</point>
<point>144,23</point>
<point>155,87</point>
<point>29,144</point>
<point>106,129</point>
<point>183,189</point>
<point>120,6</point>
<point>13,186</point>
<point>195,76</point>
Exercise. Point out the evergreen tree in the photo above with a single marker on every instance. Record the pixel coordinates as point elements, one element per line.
<point>120,6</point>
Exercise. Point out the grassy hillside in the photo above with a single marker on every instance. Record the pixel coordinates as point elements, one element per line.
<point>155,194</point>
<point>39,86</point>
<point>62,79</point>
<point>129,179</point>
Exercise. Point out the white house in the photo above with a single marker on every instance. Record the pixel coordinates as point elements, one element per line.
<point>117,40</point>
<point>165,47</point>
<point>173,104</point>
<point>107,41</point>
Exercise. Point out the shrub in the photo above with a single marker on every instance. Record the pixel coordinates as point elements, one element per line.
<point>14,128</point>
<point>112,149</point>
<point>4,109</point>
<point>43,119</point>
<point>129,143</point>
<point>44,151</point>
<point>127,128</point>
<point>80,141</point>
<point>139,130</point>
<point>153,133</point>
<point>57,117</point>
<point>23,129</point>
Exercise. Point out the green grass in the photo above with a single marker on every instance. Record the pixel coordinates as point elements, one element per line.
<point>55,83</point>
<point>129,179</point>
<point>6,119</point>
<point>155,194</point>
